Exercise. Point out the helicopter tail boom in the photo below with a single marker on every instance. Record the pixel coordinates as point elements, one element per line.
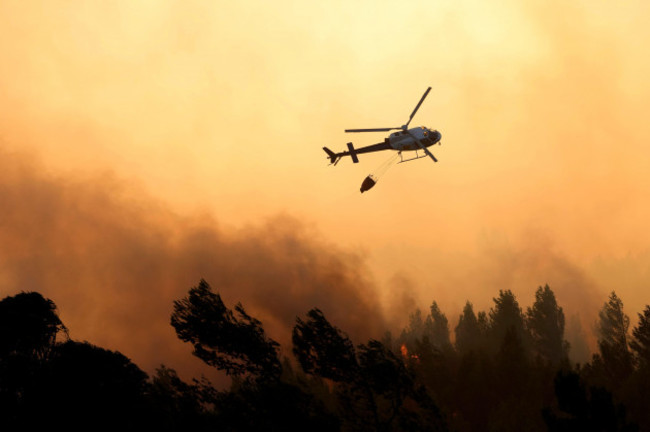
<point>355,152</point>
<point>334,158</point>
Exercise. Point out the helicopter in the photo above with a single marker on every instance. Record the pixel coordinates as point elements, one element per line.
<point>413,139</point>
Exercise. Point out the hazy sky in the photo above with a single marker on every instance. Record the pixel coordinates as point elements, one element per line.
<point>126,125</point>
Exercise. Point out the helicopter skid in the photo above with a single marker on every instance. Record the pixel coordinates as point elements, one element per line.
<point>417,156</point>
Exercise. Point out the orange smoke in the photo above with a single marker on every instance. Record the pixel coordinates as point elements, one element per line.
<point>114,260</point>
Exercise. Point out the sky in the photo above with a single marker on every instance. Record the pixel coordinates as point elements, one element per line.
<point>146,145</point>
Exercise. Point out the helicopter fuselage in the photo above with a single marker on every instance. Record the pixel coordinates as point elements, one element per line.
<point>405,140</point>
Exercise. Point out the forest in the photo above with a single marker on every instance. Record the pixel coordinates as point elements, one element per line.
<point>507,369</point>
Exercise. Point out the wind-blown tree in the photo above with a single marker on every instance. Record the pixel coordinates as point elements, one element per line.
<point>231,341</point>
<point>235,342</point>
<point>545,322</point>
<point>612,329</point>
<point>324,350</point>
<point>384,380</point>
<point>376,391</point>
<point>469,334</point>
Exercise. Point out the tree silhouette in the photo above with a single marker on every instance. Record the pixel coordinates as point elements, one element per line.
<point>545,322</point>
<point>438,329</point>
<point>490,382</point>
<point>177,405</point>
<point>235,342</point>
<point>324,350</point>
<point>582,408</point>
<point>375,389</point>
<point>640,344</point>
<point>506,317</point>
<point>512,364</point>
<point>29,325</point>
<point>474,392</point>
<point>231,341</point>
<point>100,387</point>
<point>417,328</point>
<point>271,406</point>
<point>469,335</point>
<point>612,327</point>
<point>637,391</point>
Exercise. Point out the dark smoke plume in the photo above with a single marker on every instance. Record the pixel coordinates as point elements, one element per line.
<point>113,260</point>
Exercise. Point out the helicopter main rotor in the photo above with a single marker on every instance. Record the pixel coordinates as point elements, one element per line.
<point>403,127</point>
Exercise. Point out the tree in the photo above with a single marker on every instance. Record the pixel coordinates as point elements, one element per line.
<point>506,317</point>
<point>177,405</point>
<point>438,329</point>
<point>545,322</point>
<point>641,342</point>
<point>578,408</point>
<point>231,341</point>
<point>398,401</point>
<point>322,349</point>
<point>95,387</point>
<point>414,330</point>
<point>511,366</point>
<point>638,391</point>
<point>375,389</point>
<point>612,328</point>
<point>29,324</point>
<point>469,334</point>
<point>483,322</point>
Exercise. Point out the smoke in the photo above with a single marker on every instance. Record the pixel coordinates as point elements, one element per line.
<point>521,264</point>
<point>114,259</point>
<point>543,116</point>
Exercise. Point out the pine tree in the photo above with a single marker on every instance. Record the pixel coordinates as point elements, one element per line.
<point>438,329</point>
<point>506,316</point>
<point>641,342</point>
<point>612,327</point>
<point>545,322</point>
<point>468,331</point>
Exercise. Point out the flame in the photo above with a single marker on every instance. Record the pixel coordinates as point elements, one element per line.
<point>405,354</point>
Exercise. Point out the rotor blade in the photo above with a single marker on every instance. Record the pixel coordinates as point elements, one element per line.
<point>417,107</point>
<point>372,130</point>
<point>430,155</point>
<point>426,151</point>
